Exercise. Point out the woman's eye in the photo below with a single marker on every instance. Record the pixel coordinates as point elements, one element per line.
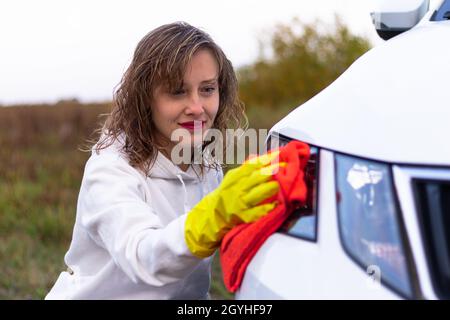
<point>209,90</point>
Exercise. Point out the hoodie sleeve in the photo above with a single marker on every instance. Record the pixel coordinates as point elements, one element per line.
<point>113,211</point>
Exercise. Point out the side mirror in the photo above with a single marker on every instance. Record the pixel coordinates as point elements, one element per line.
<point>392,17</point>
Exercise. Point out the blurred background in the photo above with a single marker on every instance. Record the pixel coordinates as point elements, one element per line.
<point>60,62</point>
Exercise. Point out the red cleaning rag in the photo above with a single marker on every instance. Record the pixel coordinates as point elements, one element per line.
<point>242,242</point>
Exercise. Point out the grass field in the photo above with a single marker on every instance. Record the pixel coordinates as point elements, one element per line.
<point>40,176</point>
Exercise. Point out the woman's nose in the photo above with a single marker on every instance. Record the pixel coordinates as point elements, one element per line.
<point>195,105</point>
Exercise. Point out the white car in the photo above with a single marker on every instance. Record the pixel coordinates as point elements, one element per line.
<point>377,224</point>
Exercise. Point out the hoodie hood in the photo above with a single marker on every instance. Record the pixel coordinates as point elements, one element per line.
<point>163,168</point>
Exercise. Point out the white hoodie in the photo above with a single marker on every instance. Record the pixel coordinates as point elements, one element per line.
<point>128,240</point>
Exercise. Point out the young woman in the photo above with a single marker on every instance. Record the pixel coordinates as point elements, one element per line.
<point>146,227</point>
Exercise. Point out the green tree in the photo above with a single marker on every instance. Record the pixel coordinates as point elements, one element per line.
<point>302,63</point>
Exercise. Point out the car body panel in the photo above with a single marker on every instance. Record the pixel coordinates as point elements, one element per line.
<point>380,107</point>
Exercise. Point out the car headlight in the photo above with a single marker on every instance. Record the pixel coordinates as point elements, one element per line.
<point>369,221</point>
<point>302,223</point>
<point>275,141</point>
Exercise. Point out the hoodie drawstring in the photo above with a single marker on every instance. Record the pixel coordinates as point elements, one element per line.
<point>185,206</point>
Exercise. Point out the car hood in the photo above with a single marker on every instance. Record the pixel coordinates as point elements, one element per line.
<point>392,104</point>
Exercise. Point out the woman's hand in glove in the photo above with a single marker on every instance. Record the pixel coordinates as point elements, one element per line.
<point>235,201</point>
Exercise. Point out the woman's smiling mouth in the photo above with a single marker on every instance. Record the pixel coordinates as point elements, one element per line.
<point>192,125</point>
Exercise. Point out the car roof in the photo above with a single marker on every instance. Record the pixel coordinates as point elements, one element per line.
<point>392,104</point>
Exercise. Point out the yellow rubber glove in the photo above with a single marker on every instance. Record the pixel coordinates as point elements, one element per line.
<point>235,201</point>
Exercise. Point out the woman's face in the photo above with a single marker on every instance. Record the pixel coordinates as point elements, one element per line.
<point>192,107</point>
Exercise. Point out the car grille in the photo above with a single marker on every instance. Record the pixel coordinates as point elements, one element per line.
<point>433,204</point>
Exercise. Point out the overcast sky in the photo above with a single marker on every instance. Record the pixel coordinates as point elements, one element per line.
<point>62,49</point>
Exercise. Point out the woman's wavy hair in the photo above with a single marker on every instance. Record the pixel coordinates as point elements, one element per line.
<point>161,58</point>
